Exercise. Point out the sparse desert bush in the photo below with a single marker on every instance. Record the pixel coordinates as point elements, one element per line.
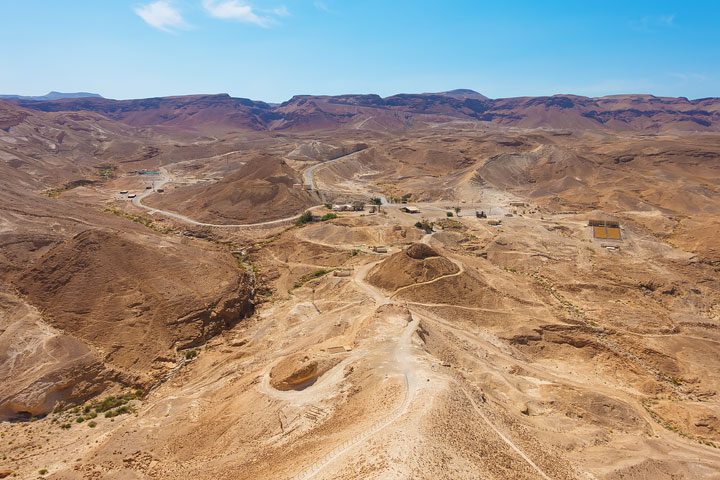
<point>328,216</point>
<point>310,276</point>
<point>304,218</point>
<point>424,225</point>
<point>118,411</point>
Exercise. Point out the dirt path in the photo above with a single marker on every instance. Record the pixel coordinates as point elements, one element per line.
<point>461,270</point>
<point>504,438</point>
<point>379,297</point>
<point>405,359</point>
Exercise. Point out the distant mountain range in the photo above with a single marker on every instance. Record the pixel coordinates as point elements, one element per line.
<point>51,96</point>
<point>398,112</point>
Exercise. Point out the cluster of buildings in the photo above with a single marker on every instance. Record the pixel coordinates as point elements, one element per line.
<point>349,207</point>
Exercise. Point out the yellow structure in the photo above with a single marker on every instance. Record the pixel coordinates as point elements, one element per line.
<point>606,229</point>
<point>607,233</point>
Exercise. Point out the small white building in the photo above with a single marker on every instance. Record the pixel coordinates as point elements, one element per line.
<point>410,209</point>
<point>342,208</point>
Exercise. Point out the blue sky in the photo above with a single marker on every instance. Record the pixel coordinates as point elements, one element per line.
<point>270,50</point>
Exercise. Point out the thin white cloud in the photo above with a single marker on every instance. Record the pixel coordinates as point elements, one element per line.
<point>235,10</point>
<point>653,22</point>
<point>322,6</point>
<point>161,14</point>
<point>665,20</point>
<point>689,76</point>
<point>281,11</point>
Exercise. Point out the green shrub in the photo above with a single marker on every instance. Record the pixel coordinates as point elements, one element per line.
<point>309,276</point>
<point>92,424</point>
<point>109,403</point>
<point>190,354</point>
<point>328,216</point>
<point>118,411</point>
<point>304,218</point>
<point>449,214</point>
<point>425,225</point>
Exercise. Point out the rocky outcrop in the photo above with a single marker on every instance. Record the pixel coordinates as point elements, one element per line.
<point>137,300</point>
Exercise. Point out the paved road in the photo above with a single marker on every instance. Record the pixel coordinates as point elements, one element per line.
<point>165,177</point>
<point>309,173</point>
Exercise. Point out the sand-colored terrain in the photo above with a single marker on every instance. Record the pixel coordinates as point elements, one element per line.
<point>515,346</point>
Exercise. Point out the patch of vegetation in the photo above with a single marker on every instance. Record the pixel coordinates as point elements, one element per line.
<point>118,411</point>
<point>376,201</point>
<point>111,406</point>
<point>310,276</point>
<point>107,171</point>
<point>328,216</point>
<point>190,354</point>
<point>304,218</point>
<point>43,471</point>
<point>141,219</point>
<point>55,192</point>
<point>424,225</point>
<point>449,214</point>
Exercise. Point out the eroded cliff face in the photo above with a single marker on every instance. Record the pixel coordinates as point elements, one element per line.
<point>106,309</point>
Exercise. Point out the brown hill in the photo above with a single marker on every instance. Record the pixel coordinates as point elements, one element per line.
<point>402,111</point>
<point>417,264</point>
<point>261,190</point>
<point>136,305</point>
<point>42,365</point>
<point>189,111</point>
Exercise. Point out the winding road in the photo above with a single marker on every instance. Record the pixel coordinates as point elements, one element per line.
<point>165,177</point>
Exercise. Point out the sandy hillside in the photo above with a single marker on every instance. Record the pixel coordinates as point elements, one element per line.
<point>139,342</point>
